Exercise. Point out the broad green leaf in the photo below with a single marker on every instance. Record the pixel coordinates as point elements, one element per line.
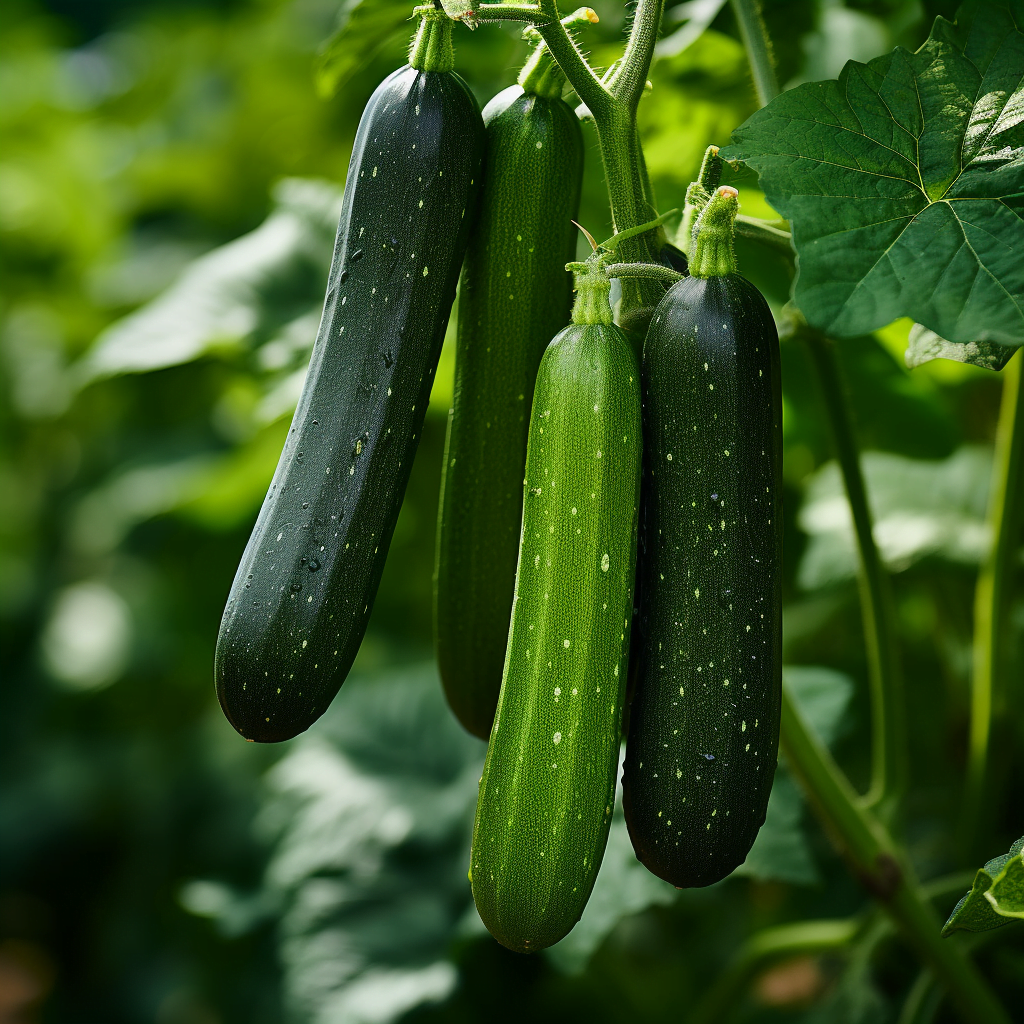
<point>822,694</point>
<point>240,294</point>
<point>781,851</point>
<point>904,183</point>
<point>1007,892</point>
<point>995,899</point>
<point>624,886</point>
<point>364,28</point>
<point>923,346</point>
<point>372,811</point>
<point>921,508</point>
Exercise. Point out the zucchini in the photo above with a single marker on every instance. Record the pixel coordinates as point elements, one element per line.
<point>704,721</point>
<point>548,786</point>
<point>515,294</point>
<point>302,595</point>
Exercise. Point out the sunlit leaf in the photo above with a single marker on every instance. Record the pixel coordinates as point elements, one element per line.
<point>921,508</point>
<point>995,899</point>
<point>234,296</point>
<point>364,27</point>
<point>923,346</point>
<point>902,183</point>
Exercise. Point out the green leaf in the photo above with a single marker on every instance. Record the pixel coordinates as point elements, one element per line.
<point>995,899</point>
<point>903,183</point>
<point>781,851</point>
<point>623,887</point>
<point>933,508</point>
<point>923,346</point>
<point>364,28</point>
<point>241,293</point>
<point>372,811</point>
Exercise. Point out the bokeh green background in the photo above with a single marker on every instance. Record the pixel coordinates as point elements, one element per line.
<point>155,869</point>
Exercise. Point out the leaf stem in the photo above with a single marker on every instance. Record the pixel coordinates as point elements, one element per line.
<point>888,755</point>
<point>875,860</point>
<point>758,231</point>
<point>758,47</point>
<point>994,589</point>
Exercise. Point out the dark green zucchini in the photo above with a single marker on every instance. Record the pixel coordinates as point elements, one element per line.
<point>300,601</point>
<point>704,721</point>
<point>548,785</point>
<point>515,295</point>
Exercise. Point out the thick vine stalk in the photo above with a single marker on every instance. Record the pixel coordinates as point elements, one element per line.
<point>758,47</point>
<point>876,860</point>
<point>994,589</point>
<point>888,753</point>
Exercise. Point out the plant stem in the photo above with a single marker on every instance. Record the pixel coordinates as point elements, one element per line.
<point>627,84</point>
<point>994,589</point>
<point>888,755</point>
<point>758,46</point>
<point>875,860</point>
<point>757,230</point>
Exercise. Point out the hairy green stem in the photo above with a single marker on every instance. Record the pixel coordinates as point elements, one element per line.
<point>648,270</point>
<point>612,103</point>
<point>713,252</point>
<point>628,81</point>
<point>758,46</point>
<point>876,861</point>
<point>994,591</point>
<point>697,195</point>
<point>771,944</point>
<point>431,47</point>
<point>888,753</point>
<point>758,231</point>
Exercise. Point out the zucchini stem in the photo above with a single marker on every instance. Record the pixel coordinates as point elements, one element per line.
<point>431,47</point>
<point>994,590</point>
<point>713,251</point>
<point>612,103</point>
<point>593,290</point>
<point>698,193</point>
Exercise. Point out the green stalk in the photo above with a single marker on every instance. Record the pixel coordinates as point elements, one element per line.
<point>888,753</point>
<point>758,47</point>
<point>431,47</point>
<point>875,860</point>
<point>994,591</point>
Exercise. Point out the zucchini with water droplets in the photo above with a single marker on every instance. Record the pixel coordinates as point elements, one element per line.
<point>302,596</point>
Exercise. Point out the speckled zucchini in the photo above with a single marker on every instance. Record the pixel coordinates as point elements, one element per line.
<point>302,596</point>
<point>704,721</point>
<point>548,785</point>
<point>515,295</point>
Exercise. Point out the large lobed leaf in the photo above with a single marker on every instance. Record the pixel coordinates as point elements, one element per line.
<point>904,182</point>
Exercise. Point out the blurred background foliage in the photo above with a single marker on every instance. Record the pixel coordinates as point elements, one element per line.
<point>170,177</point>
